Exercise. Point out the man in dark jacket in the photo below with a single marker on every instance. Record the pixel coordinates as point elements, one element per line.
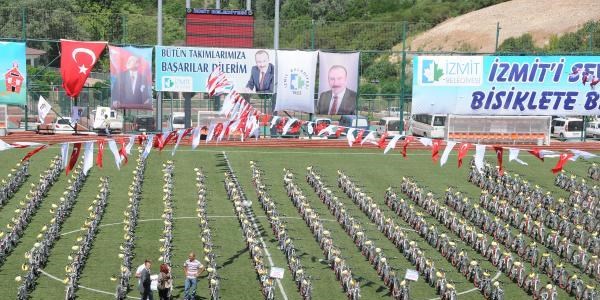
<point>145,281</point>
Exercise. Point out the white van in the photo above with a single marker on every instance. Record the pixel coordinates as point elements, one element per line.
<point>432,126</point>
<point>593,129</point>
<point>391,125</point>
<point>567,128</point>
<point>178,120</point>
<point>100,114</point>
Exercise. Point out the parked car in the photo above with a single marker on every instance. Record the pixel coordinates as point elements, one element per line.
<point>145,124</point>
<point>391,125</point>
<point>567,128</point>
<point>64,125</point>
<point>358,122</point>
<point>593,129</point>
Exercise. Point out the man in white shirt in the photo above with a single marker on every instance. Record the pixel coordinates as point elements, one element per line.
<point>192,269</point>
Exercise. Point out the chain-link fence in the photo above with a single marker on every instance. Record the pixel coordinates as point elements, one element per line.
<point>385,69</point>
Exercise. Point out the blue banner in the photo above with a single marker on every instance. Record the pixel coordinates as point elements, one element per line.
<point>12,63</point>
<point>506,85</point>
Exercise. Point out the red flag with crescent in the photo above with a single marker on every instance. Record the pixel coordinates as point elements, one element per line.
<point>76,62</point>
<point>407,141</point>
<point>100,153</point>
<point>74,156</point>
<point>562,160</point>
<point>33,152</point>
<point>359,137</point>
<point>435,149</point>
<point>499,153</point>
<point>462,152</point>
<point>381,142</point>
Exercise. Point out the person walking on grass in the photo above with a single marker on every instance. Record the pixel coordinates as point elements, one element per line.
<point>164,282</point>
<point>192,269</point>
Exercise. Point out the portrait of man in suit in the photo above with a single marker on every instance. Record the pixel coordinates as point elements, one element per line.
<point>261,75</point>
<point>339,99</point>
<point>131,88</point>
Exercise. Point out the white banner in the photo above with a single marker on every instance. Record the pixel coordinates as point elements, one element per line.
<point>43,109</point>
<point>296,80</point>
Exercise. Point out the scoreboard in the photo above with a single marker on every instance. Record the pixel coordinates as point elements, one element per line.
<point>219,28</point>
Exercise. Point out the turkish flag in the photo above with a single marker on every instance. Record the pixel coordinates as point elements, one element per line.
<point>100,153</point>
<point>33,152</point>
<point>537,153</point>
<point>339,131</point>
<point>123,151</point>
<point>562,160</point>
<point>499,152</point>
<point>76,62</point>
<point>407,141</point>
<point>435,149</point>
<point>381,142</point>
<point>359,137</point>
<point>74,157</point>
<point>462,152</point>
<point>171,136</point>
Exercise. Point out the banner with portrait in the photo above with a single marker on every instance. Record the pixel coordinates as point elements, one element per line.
<point>338,83</point>
<point>186,69</point>
<point>296,71</point>
<point>12,63</point>
<point>131,77</point>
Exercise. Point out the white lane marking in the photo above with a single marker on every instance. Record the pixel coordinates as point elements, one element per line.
<point>178,218</point>
<point>262,242</point>
<point>85,287</point>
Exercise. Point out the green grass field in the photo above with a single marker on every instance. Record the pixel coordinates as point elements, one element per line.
<point>373,170</point>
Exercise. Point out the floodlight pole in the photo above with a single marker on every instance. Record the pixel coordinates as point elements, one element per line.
<point>218,4</point>
<point>187,96</point>
<point>497,36</point>
<point>403,77</point>
<point>159,42</point>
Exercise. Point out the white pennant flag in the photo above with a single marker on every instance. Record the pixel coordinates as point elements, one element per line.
<point>309,127</point>
<point>179,137</point>
<point>43,109</point>
<point>584,154</point>
<point>4,145</point>
<point>130,145</point>
<point>287,125</point>
<point>196,137</point>
<point>222,134</point>
<point>88,158</point>
<point>350,136</point>
<point>513,154</point>
<point>479,155</point>
<point>113,147</point>
<point>369,138</point>
<point>392,144</point>
<point>148,147</point>
<point>274,121</point>
<point>211,131</point>
<point>329,129</point>
<point>227,104</point>
<point>449,146</point>
<point>64,152</point>
<point>426,141</point>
